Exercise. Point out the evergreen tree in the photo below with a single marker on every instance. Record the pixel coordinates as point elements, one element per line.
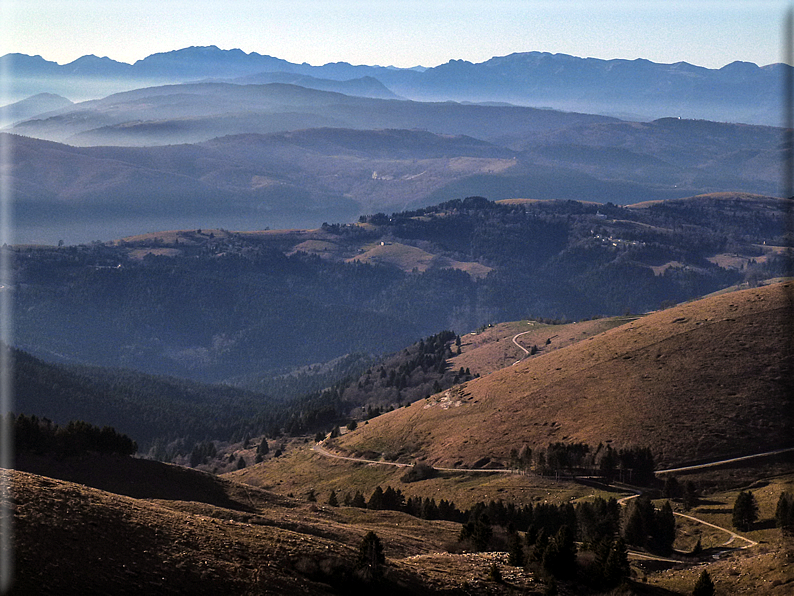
<point>691,498</point>
<point>515,549</point>
<point>641,525</point>
<point>559,558</point>
<point>616,566</point>
<point>634,532</point>
<point>704,586</point>
<point>531,535</point>
<point>263,448</point>
<point>332,500</point>
<point>478,530</point>
<point>697,549</point>
<point>664,535</point>
<point>672,488</point>
<point>745,510</point>
<point>358,501</point>
<point>376,500</point>
<point>370,556</point>
<point>241,463</point>
<point>784,512</point>
<point>429,509</point>
<point>541,543</point>
<point>608,464</point>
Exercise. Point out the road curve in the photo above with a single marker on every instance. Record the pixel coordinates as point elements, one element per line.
<point>526,352</point>
<point>321,450</point>
<point>733,535</point>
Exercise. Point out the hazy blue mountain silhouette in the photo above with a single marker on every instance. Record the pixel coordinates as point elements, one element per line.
<point>640,89</point>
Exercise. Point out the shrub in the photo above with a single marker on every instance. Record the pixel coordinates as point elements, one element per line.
<point>419,471</point>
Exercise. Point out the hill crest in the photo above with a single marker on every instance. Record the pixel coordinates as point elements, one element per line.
<point>699,380</point>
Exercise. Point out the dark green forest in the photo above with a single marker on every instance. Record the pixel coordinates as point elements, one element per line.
<point>297,339</point>
<point>252,307</point>
<point>167,416</point>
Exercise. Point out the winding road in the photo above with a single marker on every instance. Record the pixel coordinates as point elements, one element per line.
<point>526,352</point>
<point>321,450</point>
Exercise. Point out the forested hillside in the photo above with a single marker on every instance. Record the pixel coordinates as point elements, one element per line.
<point>212,304</point>
<point>168,416</point>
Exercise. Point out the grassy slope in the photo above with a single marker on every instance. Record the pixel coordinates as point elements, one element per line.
<point>697,381</point>
<point>69,537</point>
<point>492,348</point>
<point>300,470</point>
<point>763,569</point>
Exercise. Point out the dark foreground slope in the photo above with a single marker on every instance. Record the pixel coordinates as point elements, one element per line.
<point>699,381</point>
<point>72,539</point>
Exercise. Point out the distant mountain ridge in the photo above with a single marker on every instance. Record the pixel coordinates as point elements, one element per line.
<point>640,89</point>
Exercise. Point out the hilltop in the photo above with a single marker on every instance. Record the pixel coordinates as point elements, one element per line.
<point>701,380</point>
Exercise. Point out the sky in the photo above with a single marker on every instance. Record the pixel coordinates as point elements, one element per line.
<point>402,33</point>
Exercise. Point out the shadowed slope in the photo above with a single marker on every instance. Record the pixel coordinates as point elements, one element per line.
<point>71,539</point>
<point>697,381</point>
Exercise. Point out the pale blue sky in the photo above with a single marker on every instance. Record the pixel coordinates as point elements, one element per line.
<point>401,33</point>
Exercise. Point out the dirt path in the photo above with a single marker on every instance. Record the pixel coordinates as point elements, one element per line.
<point>723,461</point>
<point>733,535</point>
<point>526,352</point>
<point>320,448</point>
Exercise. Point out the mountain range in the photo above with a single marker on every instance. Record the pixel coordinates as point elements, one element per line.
<point>263,178</point>
<point>633,89</point>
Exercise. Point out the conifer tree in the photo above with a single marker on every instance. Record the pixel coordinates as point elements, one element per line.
<point>559,558</point>
<point>745,510</point>
<point>515,550</point>
<point>690,495</point>
<point>616,567</point>
<point>358,501</point>
<point>376,500</point>
<point>665,529</point>
<point>634,532</point>
<point>332,500</point>
<point>263,447</point>
<point>704,586</point>
<point>370,556</point>
<point>784,512</point>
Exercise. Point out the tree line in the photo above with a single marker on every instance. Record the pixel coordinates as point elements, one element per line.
<point>42,436</point>
<point>550,531</point>
<point>630,464</point>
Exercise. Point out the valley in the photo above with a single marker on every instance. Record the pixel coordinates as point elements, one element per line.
<point>521,326</point>
<point>273,525</point>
